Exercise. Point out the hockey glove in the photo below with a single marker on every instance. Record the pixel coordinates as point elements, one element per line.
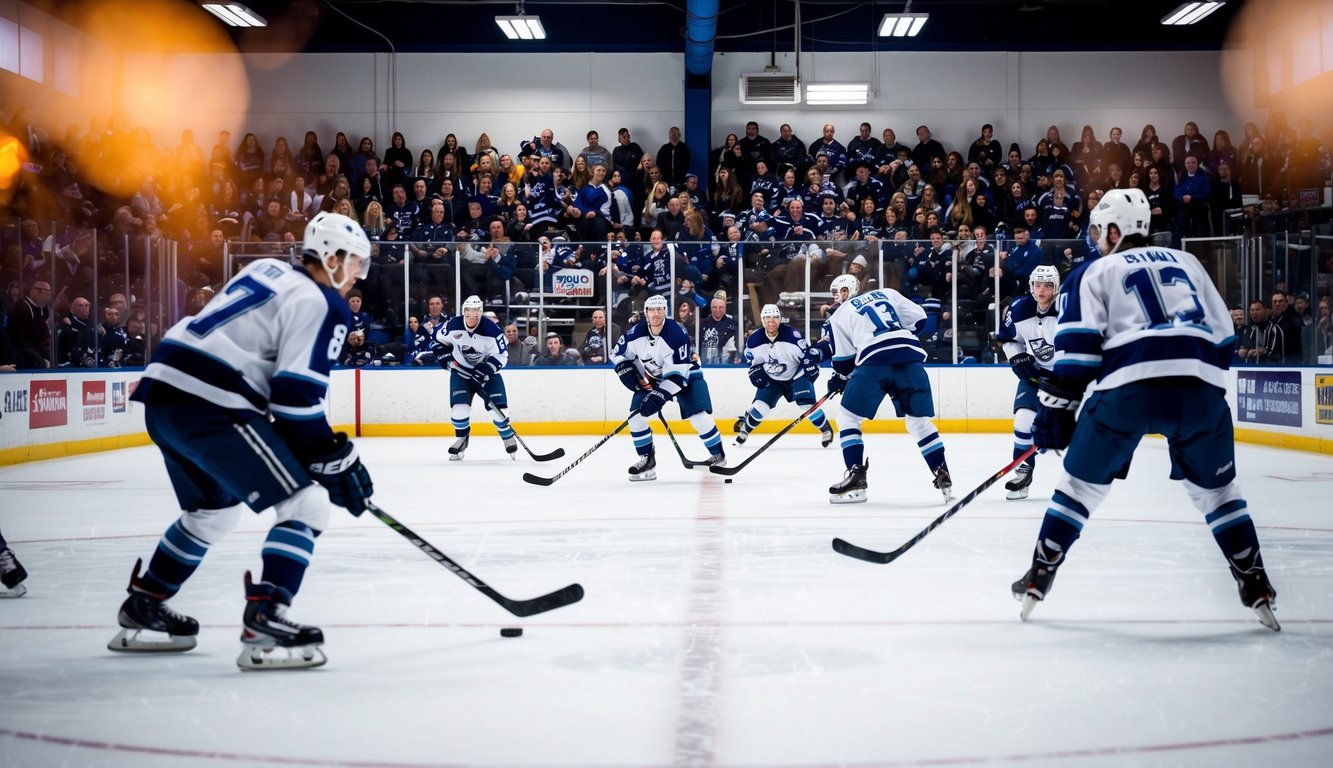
<point>810,363</point>
<point>836,383</point>
<point>483,372</point>
<point>653,402</point>
<point>629,375</point>
<point>341,472</point>
<point>759,378</point>
<point>1025,367</point>
<point>1054,426</point>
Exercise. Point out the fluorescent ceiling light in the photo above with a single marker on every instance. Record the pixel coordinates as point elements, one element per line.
<point>837,93</point>
<point>235,14</point>
<point>1189,13</point>
<point>521,27</point>
<point>902,24</point>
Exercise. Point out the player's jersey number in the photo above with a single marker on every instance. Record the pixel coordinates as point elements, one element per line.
<point>882,315</point>
<point>243,295</point>
<point>1158,289</point>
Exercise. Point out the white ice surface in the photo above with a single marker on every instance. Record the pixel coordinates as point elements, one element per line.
<point>719,628</point>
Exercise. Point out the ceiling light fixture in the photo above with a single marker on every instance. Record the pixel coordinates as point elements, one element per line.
<point>1190,13</point>
<point>905,24</point>
<point>837,93</point>
<point>235,15</point>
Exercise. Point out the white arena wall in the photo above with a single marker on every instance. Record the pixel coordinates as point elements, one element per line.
<point>61,413</point>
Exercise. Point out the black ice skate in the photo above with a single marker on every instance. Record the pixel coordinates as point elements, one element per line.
<point>718,459</point>
<point>944,482</point>
<point>1255,590</point>
<point>511,447</point>
<point>742,431</point>
<point>12,574</point>
<point>147,611</point>
<point>1018,487</point>
<point>268,628</point>
<point>826,435</point>
<point>644,469</point>
<point>852,489</point>
<point>458,448</point>
<point>1036,583</point>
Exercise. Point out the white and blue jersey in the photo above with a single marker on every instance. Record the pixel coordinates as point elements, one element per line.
<point>469,347</point>
<point>780,357</point>
<point>1026,328</point>
<point>666,358</point>
<point>876,327</point>
<point>1144,313</point>
<point>264,345</point>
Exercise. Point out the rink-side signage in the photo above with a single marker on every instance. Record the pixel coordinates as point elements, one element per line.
<point>572,282</point>
<point>94,402</point>
<point>118,397</point>
<point>1269,397</point>
<point>1323,399</point>
<point>48,404</point>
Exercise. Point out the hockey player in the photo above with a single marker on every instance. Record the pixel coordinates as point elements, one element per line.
<point>776,355</point>
<point>234,399</point>
<point>1146,328</point>
<point>654,361</point>
<point>1028,340</point>
<point>874,350</point>
<point>474,350</point>
<point>12,573</point>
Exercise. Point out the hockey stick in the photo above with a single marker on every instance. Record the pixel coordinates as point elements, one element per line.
<point>538,480</point>
<point>728,471</point>
<point>870,556</point>
<point>557,599</point>
<point>557,453</point>
<point>687,462</point>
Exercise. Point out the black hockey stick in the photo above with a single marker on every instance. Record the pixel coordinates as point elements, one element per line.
<point>687,462</point>
<point>557,599</point>
<point>871,556</point>
<point>728,471</point>
<point>538,480</point>
<point>557,453</point>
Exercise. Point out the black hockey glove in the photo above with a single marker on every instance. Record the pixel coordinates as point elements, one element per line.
<point>759,378</point>
<point>836,383</point>
<point>483,372</point>
<point>629,375</point>
<point>1025,367</point>
<point>810,363</point>
<point>341,472</point>
<point>1054,426</point>
<point>653,402</point>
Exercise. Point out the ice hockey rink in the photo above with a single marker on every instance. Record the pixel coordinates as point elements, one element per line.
<point>718,629</point>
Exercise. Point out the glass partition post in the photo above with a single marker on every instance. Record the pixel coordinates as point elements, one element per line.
<point>97,304</point>
<point>953,304</point>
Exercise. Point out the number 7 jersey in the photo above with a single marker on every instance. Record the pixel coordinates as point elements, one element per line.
<point>1144,313</point>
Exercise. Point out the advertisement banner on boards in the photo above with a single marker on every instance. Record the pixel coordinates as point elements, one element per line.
<point>1323,399</point>
<point>1269,397</point>
<point>48,404</point>
<point>94,402</point>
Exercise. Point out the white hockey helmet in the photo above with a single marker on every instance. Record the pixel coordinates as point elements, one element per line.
<point>1128,209</point>
<point>473,302</point>
<point>770,310</point>
<point>847,282</point>
<point>655,302</point>
<point>1045,274</point>
<point>333,234</point>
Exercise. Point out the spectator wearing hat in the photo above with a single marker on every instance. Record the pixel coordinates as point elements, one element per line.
<point>555,354</point>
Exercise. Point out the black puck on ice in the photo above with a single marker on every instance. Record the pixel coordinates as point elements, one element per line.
<point>728,480</point>
<point>511,632</point>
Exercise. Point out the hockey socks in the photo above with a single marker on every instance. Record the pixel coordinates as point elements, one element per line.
<point>707,429</point>
<point>177,556</point>
<point>853,448</point>
<point>927,440</point>
<point>286,554</point>
<point>819,420</point>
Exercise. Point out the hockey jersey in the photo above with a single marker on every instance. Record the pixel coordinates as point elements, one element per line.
<point>1143,313</point>
<point>265,343</point>
<point>781,356</point>
<point>1026,328</point>
<point>470,346</point>
<point>877,326</point>
<point>665,357</point>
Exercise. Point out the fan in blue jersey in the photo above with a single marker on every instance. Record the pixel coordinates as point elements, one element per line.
<point>654,361</point>
<point>474,350</point>
<point>871,340</point>
<point>1145,327</point>
<point>776,355</point>
<point>1027,338</point>
<point>234,399</point>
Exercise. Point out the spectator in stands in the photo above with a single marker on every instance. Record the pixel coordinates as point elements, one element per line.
<point>673,158</point>
<point>598,341</point>
<point>672,220</point>
<point>113,337</point>
<point>595,154</point>
<point>272,225</point>
<point>397,160</point>
<point>29,334</point>
<point>435,318</point>
<point>309,159</point>
<point>754,148</point>
<point>728,157</point>
<point>627,155</point>
<point>1021,258</point>
<point>360,318</point>
<point>1284,314</point>
<point>1259,174</point>
<point>1194,188</point>
<point>1261,341</point>
<point>1189,144</point>
<point>926,147</point>
<point>1222,153</point>
<point>1116,151</point>
<point>1147,138</point>
<point>985,150</point>
<point>717,335</point>
<point>831,148</point>
<point>76,336</point>
<point>1161,205</point>
<point>787,152</point>
<point>521,351</point>
<point>249,161</point>
<point>555,354</point>
<point>357,353</point>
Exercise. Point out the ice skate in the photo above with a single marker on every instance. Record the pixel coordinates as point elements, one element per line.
<point>644,469</point>
<point>511,447</point>
<point>742,431</point>
<point>268,629</point>
<point>1256,592</point>
<point>852,488</point>
<point>458,448</point>
<point>1018,487</point>
<point>145,611</point>
<point>944,482</point>
<point>826,435</point>
<point>1033,588</point>
<point>714,460</point>
<point>12,574</point>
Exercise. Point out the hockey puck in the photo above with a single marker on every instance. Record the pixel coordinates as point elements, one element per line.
<point>511,632</point>
<point>727,480</point>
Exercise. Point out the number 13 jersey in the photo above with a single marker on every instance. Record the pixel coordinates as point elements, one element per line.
<point>877,327</point>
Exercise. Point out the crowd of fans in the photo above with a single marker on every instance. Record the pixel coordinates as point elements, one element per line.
<point>773,220</point>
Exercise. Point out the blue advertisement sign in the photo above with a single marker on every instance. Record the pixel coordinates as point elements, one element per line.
<point>1269,397</point>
